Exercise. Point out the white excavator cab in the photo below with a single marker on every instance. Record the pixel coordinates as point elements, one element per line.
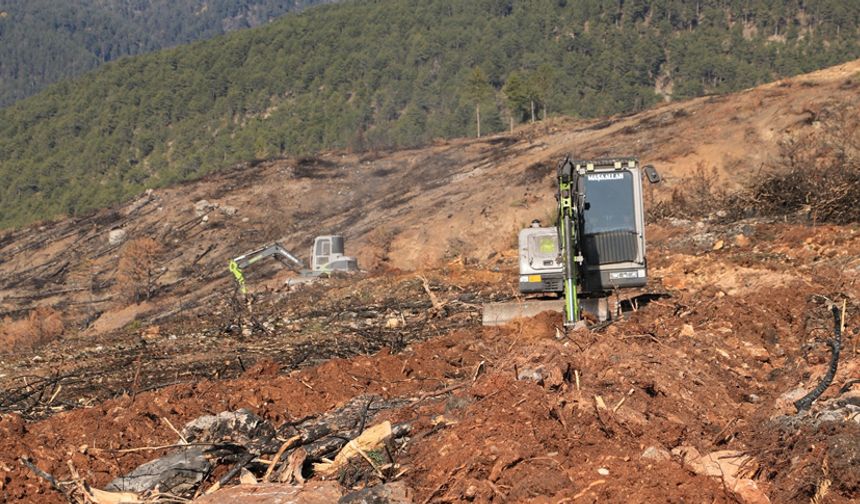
<point>327,255</point>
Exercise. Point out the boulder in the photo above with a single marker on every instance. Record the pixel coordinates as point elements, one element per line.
<point>116,236</point>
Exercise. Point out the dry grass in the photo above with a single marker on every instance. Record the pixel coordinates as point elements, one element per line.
<point>816,177</point>
<point>40,326</point>
<point>699,195</point>
<point>818,174</point>
<point>137,269</point>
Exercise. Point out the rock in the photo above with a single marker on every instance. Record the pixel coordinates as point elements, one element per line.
<point>203,207</point>
<point>733,467</point>
<point>757,352</point>
<point>392,323</point>
<point>749,492</point>
<point>675,282</point>
<point>246,477</point>
<point>703,239</point>
<point>829,416</point>
<point>116,236</point>
<point>229,211</point>
<point>603,471</point>
<point>177,472</point>
<point>471,492</point>
<point>205,218</point>
<point>389,493</point>
<point>687,331</point>
<point>718,245</point>
<point>742,240</point>
<point>752,398</point>
<point>656,453</point>
<point>535,374</point>
<point>240,427</point>
<point>313,492</point>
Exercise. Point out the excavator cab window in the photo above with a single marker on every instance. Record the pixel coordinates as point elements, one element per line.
<point>324,248</point>
<point>322,253</point>
<point>609,202</point>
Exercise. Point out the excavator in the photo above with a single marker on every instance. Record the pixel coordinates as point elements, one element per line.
<point>327,256</point>
<point>596,247</point>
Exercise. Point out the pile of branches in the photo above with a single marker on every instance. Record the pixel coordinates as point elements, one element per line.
<point>338,444</point>
<point>818,173</point>
<point>816,177</point>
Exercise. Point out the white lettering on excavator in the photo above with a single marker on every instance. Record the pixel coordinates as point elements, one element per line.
<point>605,176</point>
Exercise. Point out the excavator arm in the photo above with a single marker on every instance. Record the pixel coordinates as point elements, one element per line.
<point>569,213</point>
<point>275,250</point>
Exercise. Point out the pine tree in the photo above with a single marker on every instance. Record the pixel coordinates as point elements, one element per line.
<point>477,90</point>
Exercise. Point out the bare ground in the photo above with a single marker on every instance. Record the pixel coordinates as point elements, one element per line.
<point>731,330</point>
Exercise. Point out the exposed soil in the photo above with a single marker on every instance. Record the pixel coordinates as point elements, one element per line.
<point>731,330</point>
<point>703,365</point>
<point>410,209</point>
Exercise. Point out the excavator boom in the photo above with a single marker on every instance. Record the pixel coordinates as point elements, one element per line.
<point>274,250</point>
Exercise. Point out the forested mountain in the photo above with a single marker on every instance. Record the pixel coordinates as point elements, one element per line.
<point>44,41</point>
<point>378,74</point>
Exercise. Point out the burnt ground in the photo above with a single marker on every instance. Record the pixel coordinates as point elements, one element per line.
<point>413,209</point>
<point>733,331</point>
<point>733,328</point>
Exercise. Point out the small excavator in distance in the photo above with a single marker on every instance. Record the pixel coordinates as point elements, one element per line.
<point>327,256</point>
<point>596,246</point>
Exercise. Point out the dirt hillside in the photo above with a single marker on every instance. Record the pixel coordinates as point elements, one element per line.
<point>690,397</point>
<point>407,209</point>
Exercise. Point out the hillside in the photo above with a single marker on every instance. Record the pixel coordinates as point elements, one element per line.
<point>406,209</point>
<point>689,397</point>
<point>366,76</point>
<point>44,41</point>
